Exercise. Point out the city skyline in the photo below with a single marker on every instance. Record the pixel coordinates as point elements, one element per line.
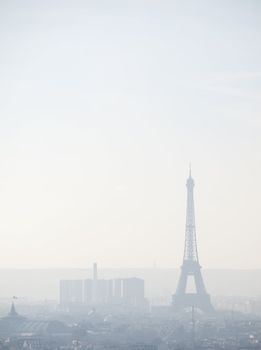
<point>130,175</point>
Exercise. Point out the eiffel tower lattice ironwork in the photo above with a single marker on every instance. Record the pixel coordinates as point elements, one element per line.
<point>191,267</point>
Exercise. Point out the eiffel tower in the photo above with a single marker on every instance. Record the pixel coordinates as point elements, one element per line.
<point>191,267</point>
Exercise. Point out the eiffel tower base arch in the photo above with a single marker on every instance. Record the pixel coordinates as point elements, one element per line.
<point>200,299</point>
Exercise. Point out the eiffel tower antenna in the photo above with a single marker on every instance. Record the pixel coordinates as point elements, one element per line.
<point>191,267</point>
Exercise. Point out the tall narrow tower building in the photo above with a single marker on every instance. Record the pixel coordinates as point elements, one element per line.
<point>191,267</point>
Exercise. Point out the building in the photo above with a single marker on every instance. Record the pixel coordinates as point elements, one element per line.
<point>71,292</point>
<point>129,291</point>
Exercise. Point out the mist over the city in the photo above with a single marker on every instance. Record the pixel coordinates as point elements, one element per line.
<point>130,174</point>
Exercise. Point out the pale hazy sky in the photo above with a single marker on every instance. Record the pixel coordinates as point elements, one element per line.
<point>103,104</point>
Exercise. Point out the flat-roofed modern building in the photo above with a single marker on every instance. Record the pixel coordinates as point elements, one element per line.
<point>71,292</point>
<point>95,291</point>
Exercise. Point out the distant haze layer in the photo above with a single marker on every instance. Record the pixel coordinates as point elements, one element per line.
<point>159,283</point>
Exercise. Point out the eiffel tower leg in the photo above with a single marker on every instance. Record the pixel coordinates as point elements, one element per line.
<point>200,299</point>
<point>200,287</point>
<point>182,284</point>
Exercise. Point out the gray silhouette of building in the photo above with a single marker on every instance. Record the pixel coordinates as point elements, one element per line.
<point>94,291</point>
<point>191,267</point>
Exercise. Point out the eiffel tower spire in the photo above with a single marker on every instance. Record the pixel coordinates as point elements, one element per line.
<point>190,266</point>
<point>190,249</point>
